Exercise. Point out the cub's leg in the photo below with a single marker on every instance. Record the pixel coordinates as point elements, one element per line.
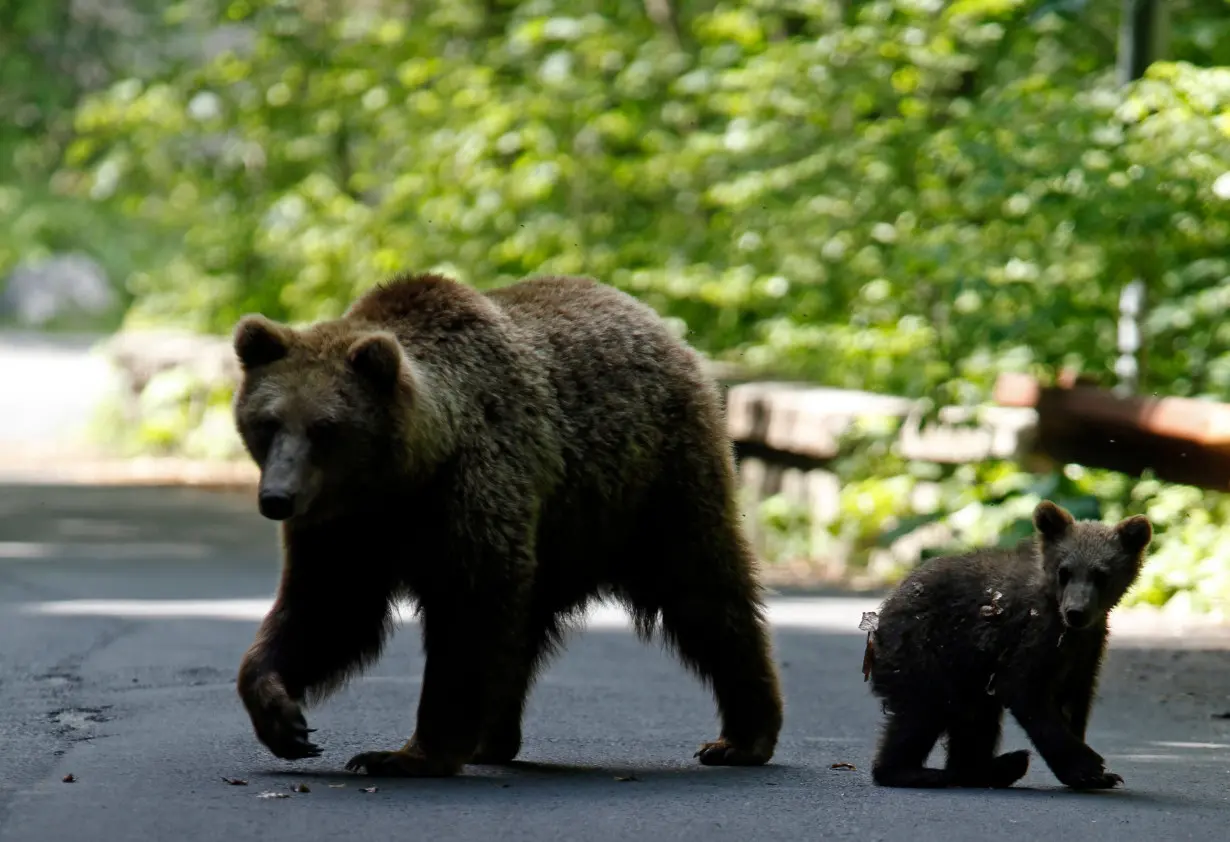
<point>1078,690</point>
<point>909,735</point>
<point>973,737</point>
<point>1069,757</point>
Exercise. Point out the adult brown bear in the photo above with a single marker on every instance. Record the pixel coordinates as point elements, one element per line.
<point>501,458</point>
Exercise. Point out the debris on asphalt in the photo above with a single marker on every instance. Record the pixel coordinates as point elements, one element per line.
<point>869,623</point>
<point>69,778</point>
<point>300,788</point>
<point>336,786</point>
<point>622,778</point>
<point>234,781</point>
<point>846,766</point>
<point>1223,715</point>
<point>274,795</point>
<point>370,789</point>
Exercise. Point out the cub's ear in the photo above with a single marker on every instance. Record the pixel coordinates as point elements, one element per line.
<point>259,341</point>
<point>1052,521</point>
<point>1134,533</point>
<point>377,358</point>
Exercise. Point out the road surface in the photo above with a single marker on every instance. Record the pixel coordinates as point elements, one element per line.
<point>123,614</point>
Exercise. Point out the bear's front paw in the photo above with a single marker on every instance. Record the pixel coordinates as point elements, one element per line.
<point>408,762</point>
<point>722,752</point>
<point>1088,773</point>
<point>279,723</point>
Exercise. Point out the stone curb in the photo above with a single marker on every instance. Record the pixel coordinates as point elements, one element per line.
<point>65,469</point>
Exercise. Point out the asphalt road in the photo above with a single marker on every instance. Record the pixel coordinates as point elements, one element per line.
<point>123,614</point>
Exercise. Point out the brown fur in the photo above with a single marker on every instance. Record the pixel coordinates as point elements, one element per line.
<point>502,458</point>
<point>965,637</point>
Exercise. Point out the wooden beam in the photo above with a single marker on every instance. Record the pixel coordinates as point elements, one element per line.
<point>804,425</point>
<point>1180,440</point>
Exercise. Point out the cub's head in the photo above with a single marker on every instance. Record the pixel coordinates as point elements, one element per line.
<point>318,410</point>
<point>1089,565</point>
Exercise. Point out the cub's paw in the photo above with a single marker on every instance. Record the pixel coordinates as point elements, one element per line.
<point>1089,773</point>
<point>279,723</point>
<point>1008,768</point>
<point>403,763</point>
<point>997,773</point>
<point>722,752</point>
<point>1101,780</point>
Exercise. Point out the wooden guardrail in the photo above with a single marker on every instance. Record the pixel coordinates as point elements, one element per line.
<point>1180,440</point>
<point>786,436</point>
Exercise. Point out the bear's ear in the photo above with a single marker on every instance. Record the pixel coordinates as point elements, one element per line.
<point>1052,521</point>
<point>377,358</point>
<point>1134,533</point>
<point>259,341</point>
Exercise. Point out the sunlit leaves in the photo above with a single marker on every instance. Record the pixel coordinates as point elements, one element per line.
<point>896,195</point>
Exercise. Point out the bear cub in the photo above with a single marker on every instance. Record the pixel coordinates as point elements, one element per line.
<point>500,459</point>
<point>964,638</point>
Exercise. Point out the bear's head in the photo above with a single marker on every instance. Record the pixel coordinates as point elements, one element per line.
<point>1089,565</point>
<point>321,411</point>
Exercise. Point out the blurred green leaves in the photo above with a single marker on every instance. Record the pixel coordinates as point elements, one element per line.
<point>895,195</point>
<point>907,196</point>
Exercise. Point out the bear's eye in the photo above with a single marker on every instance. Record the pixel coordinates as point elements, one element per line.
<point>1064,575</point>
<point>323,433</point>
<point>265,429</point>
<point>1098,577</point>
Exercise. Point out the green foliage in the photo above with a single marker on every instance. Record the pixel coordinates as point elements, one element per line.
<point>885,498</point>
<point>901,195</point>
<point>907,196</point>
<point>53,52</point>
<point>176,413</point>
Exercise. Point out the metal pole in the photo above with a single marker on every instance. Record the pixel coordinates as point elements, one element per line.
<point>1144,31</point>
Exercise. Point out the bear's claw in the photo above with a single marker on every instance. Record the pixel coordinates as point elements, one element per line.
<point>721,752</point>
<point>281,726</point>
<point>400,764</point>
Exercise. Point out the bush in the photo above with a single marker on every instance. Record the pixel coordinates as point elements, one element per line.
<point>907,196</point>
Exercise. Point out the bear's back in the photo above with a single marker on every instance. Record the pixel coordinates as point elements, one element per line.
<point>954,618</point>
<point>613,364</point>
<point>627,389</point>
<point>623,397</point>
<point>590,323</point>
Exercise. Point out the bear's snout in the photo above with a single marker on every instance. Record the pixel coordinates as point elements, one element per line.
<point>277,505</point>
<point>1075,618</point>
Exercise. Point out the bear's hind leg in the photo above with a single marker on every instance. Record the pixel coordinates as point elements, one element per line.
<point>711,614</point>
<point>689,565</point>
<point>973,737</point>
<point>908,739</point>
